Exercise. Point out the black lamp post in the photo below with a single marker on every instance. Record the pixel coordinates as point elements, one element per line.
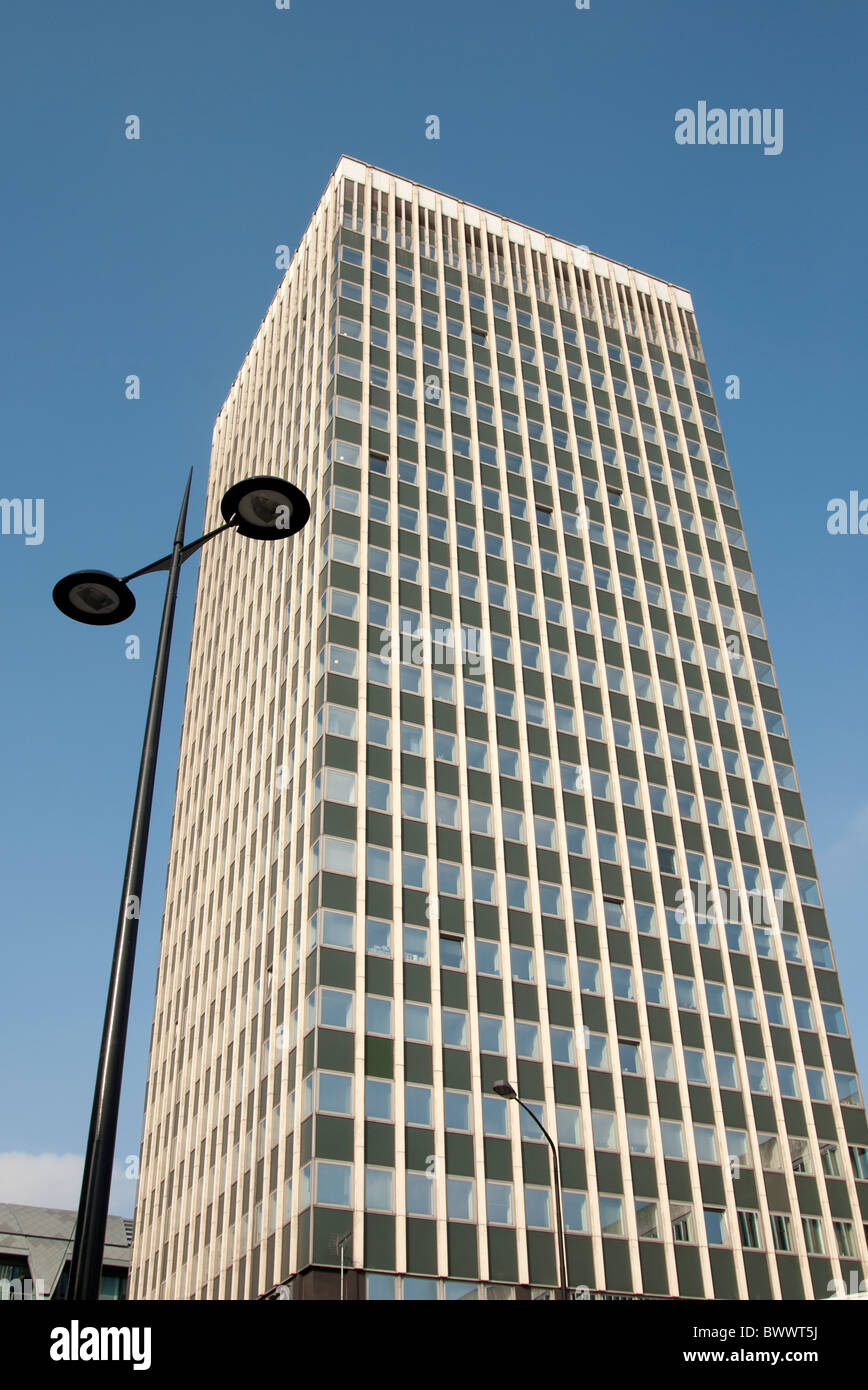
<point>503,1088</point>
<point>259,508</point>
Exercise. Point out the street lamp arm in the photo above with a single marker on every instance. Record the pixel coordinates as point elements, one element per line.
<point>186,551</point>
<point>203,540</point>
<point>539,1124</point>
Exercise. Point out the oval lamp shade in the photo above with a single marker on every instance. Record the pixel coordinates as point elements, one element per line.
<point>265,509</point>
<point>94,597</point>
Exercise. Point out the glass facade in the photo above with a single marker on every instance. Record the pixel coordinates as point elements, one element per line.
<point>485,775</point>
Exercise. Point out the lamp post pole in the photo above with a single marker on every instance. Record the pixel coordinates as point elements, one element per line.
<point>261,509</point>
<point>503,1088</point>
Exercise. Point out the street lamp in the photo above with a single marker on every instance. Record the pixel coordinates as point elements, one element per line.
<point>503,1088</point>
<point>260,508</point>
<point>341,1243</point>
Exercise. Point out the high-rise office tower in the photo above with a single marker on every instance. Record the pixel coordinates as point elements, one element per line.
<point>484,775</point>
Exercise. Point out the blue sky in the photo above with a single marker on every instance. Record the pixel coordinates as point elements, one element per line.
<point>156,257</point>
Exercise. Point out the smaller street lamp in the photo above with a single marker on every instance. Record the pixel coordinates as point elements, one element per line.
<point>341,1243</point>
<point>508,1092</point>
